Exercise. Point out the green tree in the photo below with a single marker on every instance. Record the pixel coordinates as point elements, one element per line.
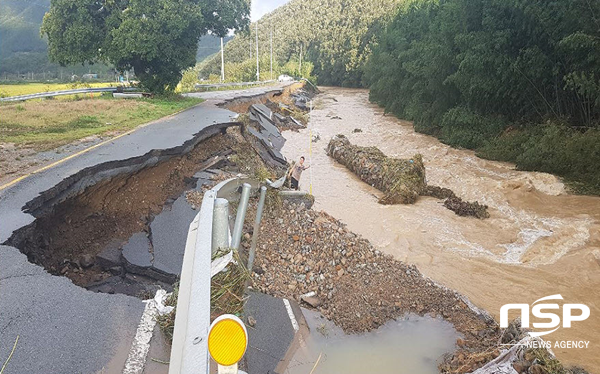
<point>518,80</point>
<point>156,38</point>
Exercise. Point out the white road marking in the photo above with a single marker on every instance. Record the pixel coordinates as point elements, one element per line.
<point>141,342</point>
<point>290,312</point>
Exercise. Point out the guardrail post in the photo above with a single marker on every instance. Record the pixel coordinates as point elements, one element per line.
<point>189,352</point>
<point>241,215</point>
<point>220,229</point>
<point>259,210</point>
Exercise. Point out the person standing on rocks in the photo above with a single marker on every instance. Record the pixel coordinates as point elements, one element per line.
<point>296,172</point>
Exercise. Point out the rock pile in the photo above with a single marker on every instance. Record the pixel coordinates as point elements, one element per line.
<point>402,180</point>
<point>301,251</point>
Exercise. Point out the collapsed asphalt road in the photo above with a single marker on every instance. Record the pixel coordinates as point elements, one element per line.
<point>63,328</point>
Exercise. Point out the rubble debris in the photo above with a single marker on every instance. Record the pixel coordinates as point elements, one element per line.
<point>313,301</point>
<point>283,116</point>
<point>301,97</point>
<point>298,197</point>
<point>466,208</point>
<point>401,180</point>
<point>456,204</point>
<point>438,192</point>
<point>357,130</point>
<point>301,251</point>
<point>265,147</point>
<point>86,260</point>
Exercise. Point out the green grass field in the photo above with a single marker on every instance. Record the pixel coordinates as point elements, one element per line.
<point>46,124</point>
<point>31,88</point>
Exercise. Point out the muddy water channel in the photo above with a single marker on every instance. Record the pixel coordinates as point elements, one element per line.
<point>539,240</point>
<point>408,345</point>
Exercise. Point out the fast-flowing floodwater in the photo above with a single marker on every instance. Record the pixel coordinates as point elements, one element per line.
<point>539,240</point>
<point>410,345</point>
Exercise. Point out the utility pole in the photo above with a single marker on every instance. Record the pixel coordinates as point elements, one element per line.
<point>271,54</point>
<point>222,63</point>
<point>300,61</point>
<point>257,71</point>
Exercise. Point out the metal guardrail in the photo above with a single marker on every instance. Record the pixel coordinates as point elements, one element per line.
<point>76,91</point>
<point>198,86</point>
<point>189,350</point>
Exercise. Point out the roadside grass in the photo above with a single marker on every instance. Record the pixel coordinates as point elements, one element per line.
<point>16,89</point>
<point>47,124</point>
<point>226,293</point>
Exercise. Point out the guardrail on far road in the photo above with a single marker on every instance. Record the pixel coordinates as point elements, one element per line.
<point>231,84</point>
<point>76,91</point>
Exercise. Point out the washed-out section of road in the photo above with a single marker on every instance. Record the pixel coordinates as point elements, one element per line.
<point>62,327</point>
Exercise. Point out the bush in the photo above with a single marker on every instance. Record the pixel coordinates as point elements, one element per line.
<point>552,148</point>
<point>464,128</point>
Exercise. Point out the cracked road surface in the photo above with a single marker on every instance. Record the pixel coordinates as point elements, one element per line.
<point>63,328</point>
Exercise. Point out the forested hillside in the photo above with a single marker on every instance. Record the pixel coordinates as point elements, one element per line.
<point>517,80</point>
<point>335,35</point>
<point>209,45</point>
<point>20,42</point>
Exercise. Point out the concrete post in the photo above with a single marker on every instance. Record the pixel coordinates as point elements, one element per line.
<point>220,229</point>
<point>259,210</point>
<point>222,63</point>
<point>239,218</point>
<point>257,68</point>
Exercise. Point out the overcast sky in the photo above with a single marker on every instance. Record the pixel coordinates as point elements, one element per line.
<point>262,7</point>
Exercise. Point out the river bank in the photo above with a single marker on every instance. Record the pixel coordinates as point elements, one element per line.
<point>538,241</point>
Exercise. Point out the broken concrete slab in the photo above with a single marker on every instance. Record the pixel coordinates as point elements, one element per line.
<point>169,233</point>
<point>281,118</point>
<point>261,114</point>
<point>267,148</point>
<point>110,255</point>
<point>296,122</point>
<point>134,285</point>
<point>204,175</point>
<point>137,251</point>
<point>272,335</point>
<point>264,110</point>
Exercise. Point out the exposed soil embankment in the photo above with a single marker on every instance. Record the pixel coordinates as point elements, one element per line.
<point>69,234</point>
<point>282,102</point>
<point>84,222</point>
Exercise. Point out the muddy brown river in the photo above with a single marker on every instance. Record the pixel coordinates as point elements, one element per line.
<point>539,240</point>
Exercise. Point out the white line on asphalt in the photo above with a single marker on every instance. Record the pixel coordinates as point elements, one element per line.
<point>291,314</point>
<point>141,343</point>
